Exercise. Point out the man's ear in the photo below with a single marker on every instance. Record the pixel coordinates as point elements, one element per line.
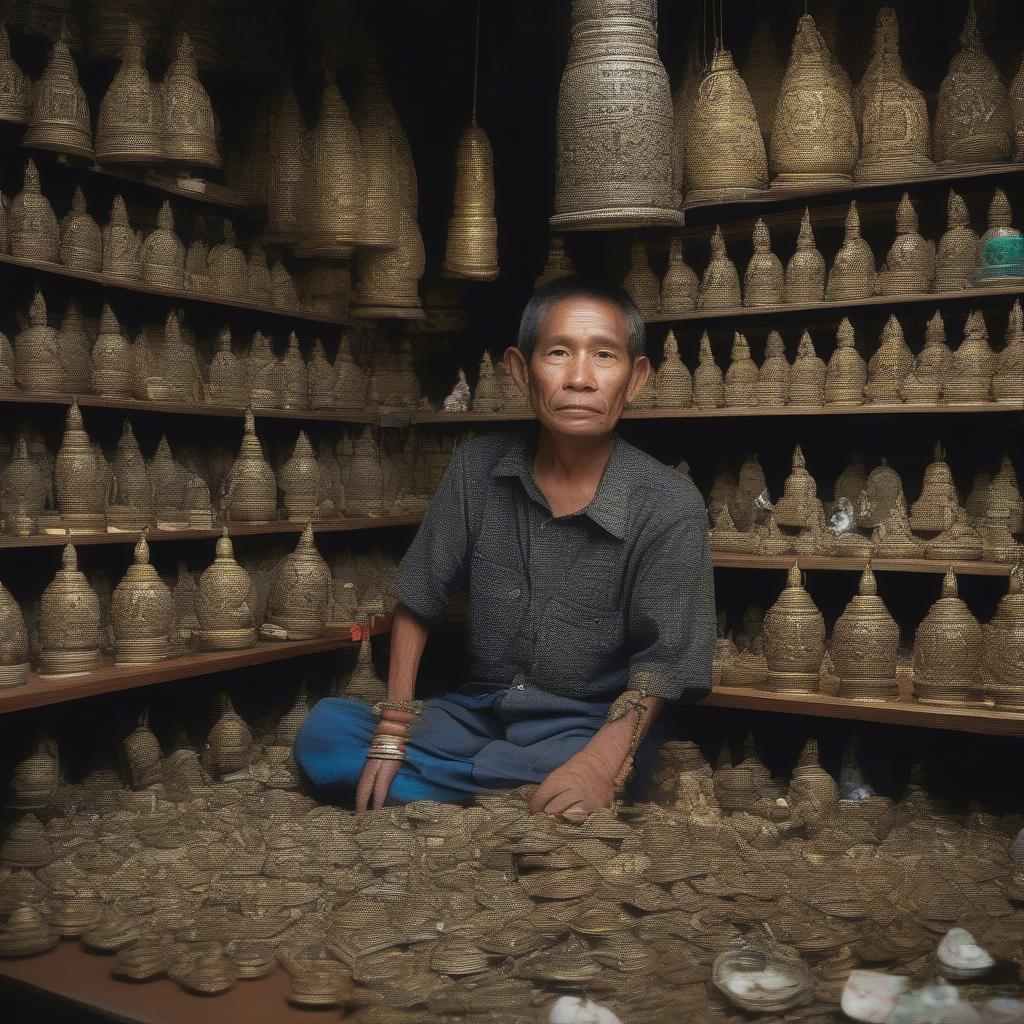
<point>515,363</point>
<point>641,371</point>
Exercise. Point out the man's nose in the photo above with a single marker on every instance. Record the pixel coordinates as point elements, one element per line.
<point>581,374</point>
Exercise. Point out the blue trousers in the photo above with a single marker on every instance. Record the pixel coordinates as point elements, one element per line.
<point>474,740</point>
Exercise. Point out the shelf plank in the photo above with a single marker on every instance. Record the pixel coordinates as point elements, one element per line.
<point>819,705</point>
<point>42,540</point>
<point>124,284</point>
<point>41,691</point>
<point>728,560</point>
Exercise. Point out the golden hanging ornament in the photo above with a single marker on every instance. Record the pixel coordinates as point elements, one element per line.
<point>947,651</point>
<point>226,602</point>
<point>33,232</point>
<point>794,639</point>
<point>188,129</point>
<point>15,87</point>
<point>69,621</point>
<point>864,645</point>
<point>128,126</point>
<point>142,613</point>
<point>14,664</point>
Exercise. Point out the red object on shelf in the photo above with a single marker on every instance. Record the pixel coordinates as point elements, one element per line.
<point>355,632</point>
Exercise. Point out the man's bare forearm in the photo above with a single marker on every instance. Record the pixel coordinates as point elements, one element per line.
<point>611,744</point>
<point>408,638</point>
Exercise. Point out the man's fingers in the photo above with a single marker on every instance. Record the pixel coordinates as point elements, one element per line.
<point>577,813</point>
<point>385,776</point>
<point>365,786</point>
<point>545,792</point>
<point>565,799</point>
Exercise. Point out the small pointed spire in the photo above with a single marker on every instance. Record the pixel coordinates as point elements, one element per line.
<point>74,417</point>
<point>906,216</point>
<point>805,240</point>
<point>225,549</point>
<point>845,335</point>
<point>671,346</point>
<point>306,538</point>
<point>250,422</point>
<point>799,462</point>
<point>806,346</point>
<point>868,584</point>
<point>762,239</point>
<point>164,217</point>
<point>119,211</point>
<point>793,576</point>
<point>37,310</point>
<point>957,214</point>
<point>69,557</point>
<point>717,242</point>
<point>142,550</point>
<point>78,201</point>
<point>852,222</point>
<point>303,446</point>
<point>976,324</point>
<point>31,182</point>
<point>705,355</point>
<point>949,587</point>
<point>970,37</point>
<point>809,756</point>
<point>999,213</point>
<point>935,332</point>
<point>774,345</point>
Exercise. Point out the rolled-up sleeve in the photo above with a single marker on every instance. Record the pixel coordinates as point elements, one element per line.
<point>435,565</point>
<point>672,612</point>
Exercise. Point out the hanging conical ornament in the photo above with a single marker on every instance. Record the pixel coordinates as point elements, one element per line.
<point>814,138</point>
<point>142,613</point>
<point>772,388</point>
<point>864,645</point>
<point>60,110</point>
<point>764,278</point>
<point>226,602</point>
<point>387,280</point>
<point>794,639</point>
<point>295,376</point>
<point>613,100</point>
<point>763,73</point>
<point>364,487</point>
<point>947,651</point>
<point>558,263</point>
<point>972,119</point>
<point>640,281</point>
<point>853,273</point>
<point>15,88</point>
<point>121,243</point>
<point>134,507</point>
<point>893,115</point>
<point>679,286</point>
<point>472,248</point>
<point>957,256</point>
<point>69,621</point>
<point>301,482</point>
<point>128,126</point>
<point>81,494</point>
<point>288,156</point>
<point>847,373</point>
<point>81,241</point>
<point>23,490</point>
<point>32,228</point>
<point>250,490</point>
<point>708,385</point>
<point>37,352</point>
<point>673,383</point>
<point>299,592</point>
<point>188,129</point>
<point>162,253</point>
<point>725,156</point>
<point>364,684</point>
<point>334,183</point>
<point>14,664</point>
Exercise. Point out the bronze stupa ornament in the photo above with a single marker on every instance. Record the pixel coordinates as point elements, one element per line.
<point>38,353</point>
<point>128,126</point>
<point>81,241</point>
<point>229,273</point>
<point>142,613</point>
<point>188,129</point>
<point>969,376</point>
<point>972,119</point>
<point>864,645</point>
<point>133,509</point>
<point>772,388</point>
<point>14,663</point>
<point>226,602</point>
<point>909,268</point>
<point>301,481</point>
<point>32,229</point>
<point>334,183</point>
<point>299,593</point>
<point>853,271</point>
<point>807,376</point>
<point>162,253</point>
<point>814,136</point>
<point>896,135</point>
<point>957,256</point>
<point>679,286</point>
<point>805,271</point>
<point>640,281</point>
<point>764,277</point>
<point>15,87</point>
<point>250,490</point>
<point>725,154</point>
<point>741,374</point>
<point>81,494</point>
<point>69,621</point>
<point>121,243</point>
<point>673,383</point>
<point>613,164</point>
<point>794,639</point>
<point>720,285</point>
<point>889,366</point>
<point>23,492</point>
<point>847,373</point>
<point>295,376</point>
<point>708,384</point>
<point>1008,379</point>
<point>227,380</point>
<point>947,650</point>
<point>60,111</point>
<point>365,485</point>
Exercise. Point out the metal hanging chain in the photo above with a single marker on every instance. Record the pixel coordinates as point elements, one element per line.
<point>476,64</point>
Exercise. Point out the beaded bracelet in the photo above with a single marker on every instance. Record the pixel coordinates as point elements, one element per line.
<point>628,700</point>
<point>414,707</point>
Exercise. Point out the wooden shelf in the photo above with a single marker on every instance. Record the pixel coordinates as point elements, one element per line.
<point>827,563</point>
<point>138,287</point>
<point>893,302</point>
<point>41,691</point>
<point>907,712</point>
<point>43,540</point>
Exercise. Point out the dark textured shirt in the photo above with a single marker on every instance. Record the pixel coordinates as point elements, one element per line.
<point>578,605</point>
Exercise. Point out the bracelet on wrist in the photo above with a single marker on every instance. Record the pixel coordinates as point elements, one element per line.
<point>413,707</point>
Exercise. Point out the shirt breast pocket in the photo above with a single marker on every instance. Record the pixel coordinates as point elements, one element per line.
<point>594,581</point>
<point>497,604</point>
<point>580,648</point>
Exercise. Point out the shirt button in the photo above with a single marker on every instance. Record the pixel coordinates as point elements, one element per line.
<point>515,592</point>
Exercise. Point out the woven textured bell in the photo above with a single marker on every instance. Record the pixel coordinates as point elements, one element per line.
<point>750,485</point>
<point>142,613</point>
<point>376,121</point>
<point>134,507</point>
<point>188,130</point>
<point>121,244</point>
<point>322,379</point>
<point>947,650</point>
<point>299,592</point>
<point>853,273</point>
<point>302,482</point>
<point>889,365</point>
<point>800,494</point>
<point>334,182</point>
<point>764,278</point>
<point>847,373</point>
<point>365,484</point>
<point>14,663</point>
<point>81,241</point>
<point>1008,379</point>
<point>762,74</point>
<point>32,228</point>
<point>558,263</point>
<point>679,286</point>
<point>893,538</point>
<point>283,291</point>
<point>487,397</point>
<point>1002,656</point>
<point>958,541</point>
<point>60,111</point>
<point>250,490</point>
<point>387,280</point>
<point>350,393</point>
<point>35,778</point>
<point>288,160</point>
<point>938,500</point>
<point>229,741</point>
<point>864,645</point>
<point>970,372</point>
<point>673,383</point>
<point>263,374</point>
<point>708,384</point>
<point>883,490</point>
<point>640,281</point>
<point>69,621</point>
<point>166,366</point>
<point>23,492</point>
<point>75,348</point>
<point>725,154</point>
<point>910,266</point>
<point>225,602</point>
<point>38,365</point>
<point>807,376</point>
<point>472,248</point>
<point>683,99</point>
<point>814,139</point>
<point>972,118</point>
<point>162,253</point>
<point>614,99</point>
<point>794,639</point>
<point>15,87</point>
<point>805,271</point>
<point>295,376</point>
<point>741,374</point>
<point>260,285</point>
<point>772,388</point>
<point>128,126</point>
<point>957,256</point>
<point>229,273</point>
<point>81,498</point>
<point>892,114</point>
<point>720,284</point>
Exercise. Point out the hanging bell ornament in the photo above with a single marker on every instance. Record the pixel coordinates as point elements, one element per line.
<point>60,110</point>
<point>15,88</point>
<point>614,162</point>
<point>188,130</point>
<point>14,663</point>
<point>472,249</point>
<point>69,621</point>
<point>226,602</point>
<point>142,612</point>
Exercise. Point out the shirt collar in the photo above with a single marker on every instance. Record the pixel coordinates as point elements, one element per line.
<point>610,505</point>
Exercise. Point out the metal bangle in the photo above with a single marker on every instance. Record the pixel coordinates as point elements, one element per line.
<point>385,755</point>
<point>414,707</point>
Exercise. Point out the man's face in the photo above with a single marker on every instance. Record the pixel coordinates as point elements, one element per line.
<point>580,377</point>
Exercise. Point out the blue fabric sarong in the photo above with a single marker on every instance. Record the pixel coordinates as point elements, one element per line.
<point>474,740</point>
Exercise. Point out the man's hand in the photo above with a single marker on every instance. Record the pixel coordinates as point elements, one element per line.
<point>581,785</point>
<point>375,782</point>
